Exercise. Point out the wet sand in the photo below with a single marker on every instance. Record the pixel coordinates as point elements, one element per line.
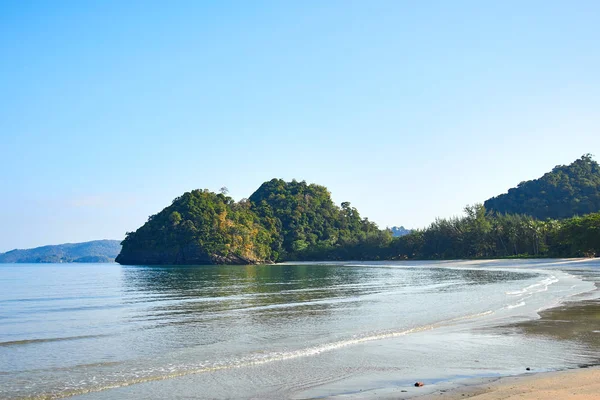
<point>577,321</point>
<point>574,321</point>
<point>577,384</point>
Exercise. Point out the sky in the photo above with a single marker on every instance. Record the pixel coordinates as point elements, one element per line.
<point>410,110</point>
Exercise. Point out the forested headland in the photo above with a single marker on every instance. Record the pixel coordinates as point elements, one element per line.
<point>287,221</point>
<point>280,221</point>
<point>565,191</point>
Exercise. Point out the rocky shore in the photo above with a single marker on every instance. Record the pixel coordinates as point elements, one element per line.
<point>184,255</point>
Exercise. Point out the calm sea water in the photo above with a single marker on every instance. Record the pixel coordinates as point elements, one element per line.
<point>274,331</point>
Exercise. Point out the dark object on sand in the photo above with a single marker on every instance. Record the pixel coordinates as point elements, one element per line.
<point>527,369</point>
<point>419,384</point>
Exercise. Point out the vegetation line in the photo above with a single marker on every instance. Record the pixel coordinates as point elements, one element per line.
<point>289,221</point>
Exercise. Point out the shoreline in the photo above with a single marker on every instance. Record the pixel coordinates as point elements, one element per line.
<point>389,369</point>
<point>573,320</point>
<point>577,383</point>
<point>576,320</point>
<point>581,383</point>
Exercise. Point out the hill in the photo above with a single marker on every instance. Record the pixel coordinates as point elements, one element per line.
<point>398,231</point>
<point>564,192</point>
<point>200,227</point>
<point>280,221</point>
<point>287,221</point>
<point>87,252</point>
<point>306,225</point>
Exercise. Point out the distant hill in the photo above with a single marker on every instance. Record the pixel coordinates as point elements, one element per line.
<point>566,191</point>
<point>398,231</point>
<point>97,251</point>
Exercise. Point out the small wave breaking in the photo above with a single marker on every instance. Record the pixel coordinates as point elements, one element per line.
<point>173,371</point>
<point>541,286</point>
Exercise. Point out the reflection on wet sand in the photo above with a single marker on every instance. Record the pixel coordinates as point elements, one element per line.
<point>575,321</point>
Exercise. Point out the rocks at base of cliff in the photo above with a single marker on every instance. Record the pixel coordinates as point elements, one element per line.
<point>234,259</point>
<point>185,255</point>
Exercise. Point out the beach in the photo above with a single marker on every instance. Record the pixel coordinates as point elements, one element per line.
<point>573,321</point>
<point>576,384</point>
<point>573,384</point>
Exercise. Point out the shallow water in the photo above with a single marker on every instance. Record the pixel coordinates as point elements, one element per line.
<point>293,331</point>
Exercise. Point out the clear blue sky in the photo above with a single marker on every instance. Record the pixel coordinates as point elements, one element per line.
<point>407,109</point>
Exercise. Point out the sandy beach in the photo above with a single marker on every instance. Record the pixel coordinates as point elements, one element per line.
<point>579,321</point>
<point>577,384</point>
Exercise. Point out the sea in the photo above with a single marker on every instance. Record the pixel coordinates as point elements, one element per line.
<point>284,331</point>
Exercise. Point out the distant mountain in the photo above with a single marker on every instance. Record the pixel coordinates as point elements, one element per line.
<point>97,251</point>
<point>565,191</point>
<point>398,231</point>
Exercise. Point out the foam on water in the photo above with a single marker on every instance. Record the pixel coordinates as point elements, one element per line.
<point>172,371</point>
<point>541,286</point>
<point>517,305</point>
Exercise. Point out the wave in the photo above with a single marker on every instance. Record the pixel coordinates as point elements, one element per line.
<point>251,360</point>
<point>542,285</point>
<point>519,304</point>
<point>46,340</point>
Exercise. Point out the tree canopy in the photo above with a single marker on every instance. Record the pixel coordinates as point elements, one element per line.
<point>284,221</point>
<point>280,221</point>
<point>200,227</point>
<point>565,191</point>
<point>306,224</point>
<point>482,234</point>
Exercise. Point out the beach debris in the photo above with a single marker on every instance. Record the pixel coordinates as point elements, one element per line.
<point>419,384</point>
